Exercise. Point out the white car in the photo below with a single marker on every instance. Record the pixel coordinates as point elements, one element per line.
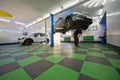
<point>72,21</point>
<point>33,38</point>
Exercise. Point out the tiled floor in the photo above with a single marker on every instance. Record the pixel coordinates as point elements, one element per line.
<point>64,62</point>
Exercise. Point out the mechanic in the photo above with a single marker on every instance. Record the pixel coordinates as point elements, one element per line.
<point>77,35</point>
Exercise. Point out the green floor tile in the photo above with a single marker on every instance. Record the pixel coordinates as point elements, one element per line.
<point>78,56</point>
<point>109,52</point>
<point>58,72</point>
<point>19,54</point>
<point>94,49</point>
<point>18,74</point>
<point>99,72</point>
<point>97,54</point>
<point>82,49</point>
<point>28,61</point>
<point>4,54</point>
<point>13,50</point>
<point>69,51</point>
<point>37,53</point>
<point>55,58</point>
<point>115,62</point>
<point>6,61</point>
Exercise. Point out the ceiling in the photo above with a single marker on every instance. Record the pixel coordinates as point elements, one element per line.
<point>27,11</point>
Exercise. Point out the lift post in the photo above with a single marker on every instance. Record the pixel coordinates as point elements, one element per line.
<point>52,31</point>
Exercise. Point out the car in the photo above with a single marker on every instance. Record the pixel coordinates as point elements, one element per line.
<point>72,21</point>
<point>33,38</point>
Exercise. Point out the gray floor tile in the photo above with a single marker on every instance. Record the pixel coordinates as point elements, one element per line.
<point>37,68</point>
<point>8,68</point>
<point>98,60</point>
<point>72,63</point>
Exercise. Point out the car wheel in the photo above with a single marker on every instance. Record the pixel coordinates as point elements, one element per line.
<point>23,44</point>
<point>28,42</point>
<point>63,32</point>
<point>68,22</point>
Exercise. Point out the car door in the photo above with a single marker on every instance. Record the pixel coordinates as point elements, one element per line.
<point>39,38</point>
<point>36,37</point>
<point>42,37</point>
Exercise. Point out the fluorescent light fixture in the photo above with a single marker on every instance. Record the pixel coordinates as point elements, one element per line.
<point>104,1</point>
<point>46,15</point>
<point>92,3</point>
<point>70,4</point>
<point>98,3</point>
<point>87,3</point>
<point>34,22</point>
<point>116,13</point>
<point>5,20</point>
<point>28,25</point>
<point>20,23</point>
<point>39,19</point>
<point>100,11</point>
<point>57,10</point>
<point>112,0</point>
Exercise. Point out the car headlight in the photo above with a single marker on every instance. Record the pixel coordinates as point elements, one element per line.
<point>21,38</point>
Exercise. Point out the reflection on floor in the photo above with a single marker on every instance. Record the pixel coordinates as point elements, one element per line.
<point>65,62</point>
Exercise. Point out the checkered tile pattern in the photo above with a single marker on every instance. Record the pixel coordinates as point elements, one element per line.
<point>63,62</point>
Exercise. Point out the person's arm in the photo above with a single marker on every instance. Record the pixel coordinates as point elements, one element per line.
<point>78,36</point>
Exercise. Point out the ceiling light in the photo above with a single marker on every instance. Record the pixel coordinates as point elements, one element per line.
<point>28,25</point>
<point>115,13</point>
<point>5,20</point>
<point>100,11</point>
<point>112,0</point>
<point>46,15</point>
<point>39,19</point>
<point>70,4</point>
<point>57,10</point>
<point>87,3</point>
<point>34,22</point>
<point>104,2</point>
<point>92,3</point>
<point>98,3</point>
<point>20,23</point>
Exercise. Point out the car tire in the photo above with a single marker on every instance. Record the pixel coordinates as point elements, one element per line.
<point>23,44</point>
<point>28,42</point>
<point>68,22</point>
<point>63,32</point>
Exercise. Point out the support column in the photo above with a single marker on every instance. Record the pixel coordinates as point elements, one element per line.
<point>52,30</point>
<point>46,30</point>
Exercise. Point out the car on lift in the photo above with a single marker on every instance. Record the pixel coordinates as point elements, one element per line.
<point>72,21</point>
<point>33,38</point>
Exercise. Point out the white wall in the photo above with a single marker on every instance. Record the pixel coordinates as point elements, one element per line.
<point>9,36</point>
<point>93,30</point>
<point>113,22</point>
